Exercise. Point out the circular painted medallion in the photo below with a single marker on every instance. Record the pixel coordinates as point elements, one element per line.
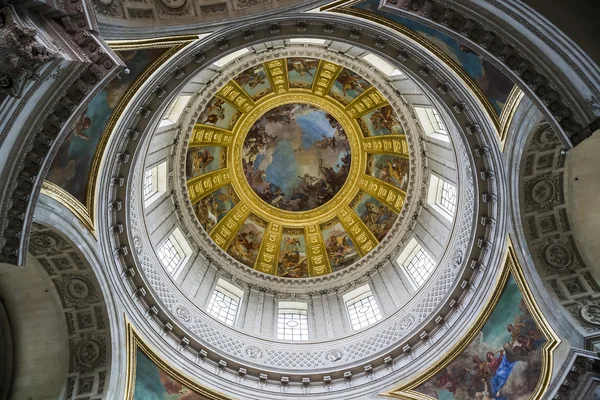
<point>296,157</point>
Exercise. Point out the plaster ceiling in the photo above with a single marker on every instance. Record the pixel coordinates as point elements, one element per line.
<point>297,167</point>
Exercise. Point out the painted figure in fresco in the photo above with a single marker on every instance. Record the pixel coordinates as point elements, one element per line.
<point>257,140</point>
<point>252,78</point>
<point>385,119</point>
<point>172,387</point>
<point>378,218</point>
<point>296,157</point>
<point>351,81</point>
<point>245,245</point>
<point>448,381</point>
<point>83,123</point>
<point>394,172</point>
<point>302,66</point>
<point>338,248</point>
<point>211,209</point>
<point>214,112</point>
<point>293,263</point>
<point>207,211</point>
<point>371,215</point>
<point>200,160</point>
<point>525,339</point>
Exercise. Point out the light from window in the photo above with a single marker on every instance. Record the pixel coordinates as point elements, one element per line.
<point>442,197</point>
<point>382,65</point>
<point>292,321</point>
<point>173,252</point>
<point>448,199</point>
<point>155,183</point>
<point>227,59</point>
<point>432,123</point>
<point>420,267</point>
<point>362,308</point>
<point>149,183</point>
<point>307,40</point>
<point>223,305</point>
<point>170,256</point>
<point>438,120</point>
<point>174,111</point>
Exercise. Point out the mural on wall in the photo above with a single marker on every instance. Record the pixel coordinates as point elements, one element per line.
<point>212,208</point>
<point>152,383</point>
<point>220,114</point>
<point>301,72</point>
<point>71,167</point>
<point>491,81</point>
<point>347,86</point>
<point>503,362</point>
<point>254,81</point>
<point>376,216</point>
<point>204,159</point>
<point>391,169</point>
<point>382,121</point>
<point>292,255</point>
<point>296,157</point>
<point>246,243</point>
<point>339,246</point>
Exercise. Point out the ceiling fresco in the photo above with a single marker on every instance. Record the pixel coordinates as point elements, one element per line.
<point>297,167</point>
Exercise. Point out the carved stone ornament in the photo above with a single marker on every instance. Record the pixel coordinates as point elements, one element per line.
<point>558,256</point>
<point>46,243</point>
<point>174,8</point>
<point>137,244</point>
<point>591,313</point>
<point>88,353</point>
<point>250,3</point>
<point>254,352</point>
<point>183,314</point>
<point>543,192</point>
<point>20,53</point>
<point>334,355</point>
<point>76,290</point>
<point>110,8</point>
<point>458,258</point>
<point>407,322</point>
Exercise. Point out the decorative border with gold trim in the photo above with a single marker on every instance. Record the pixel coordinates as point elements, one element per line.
<point>85,213</point>
<point>66,199</point>
<point>511,267</point>
<point>135,341</point>
<point>346,8</point>
<point>116,114</point>
<point>155,43</point>
<point>508,111</point>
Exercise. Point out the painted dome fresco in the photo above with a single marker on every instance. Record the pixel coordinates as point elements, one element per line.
<point>297,167</point>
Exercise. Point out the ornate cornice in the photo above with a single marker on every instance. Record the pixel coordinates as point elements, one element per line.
<point>552,341</point>
<point>476,264</point>
<point>499,44</point>
<point>74,85</point>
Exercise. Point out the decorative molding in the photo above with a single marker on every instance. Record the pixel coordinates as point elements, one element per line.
<point>135,342</point>
<point>508,112</point>
<point>430,46</point>
<point>85,311</point>
<point>67,91</point>
<point>511,267</point>
<point>156,291</point>
<point>178,44</point>
<point>71,203</point>
<point>498,43</point>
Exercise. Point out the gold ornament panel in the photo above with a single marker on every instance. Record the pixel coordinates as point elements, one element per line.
<point>332,235</point>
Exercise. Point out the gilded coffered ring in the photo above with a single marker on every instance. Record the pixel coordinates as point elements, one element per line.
<point>297,167</point>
